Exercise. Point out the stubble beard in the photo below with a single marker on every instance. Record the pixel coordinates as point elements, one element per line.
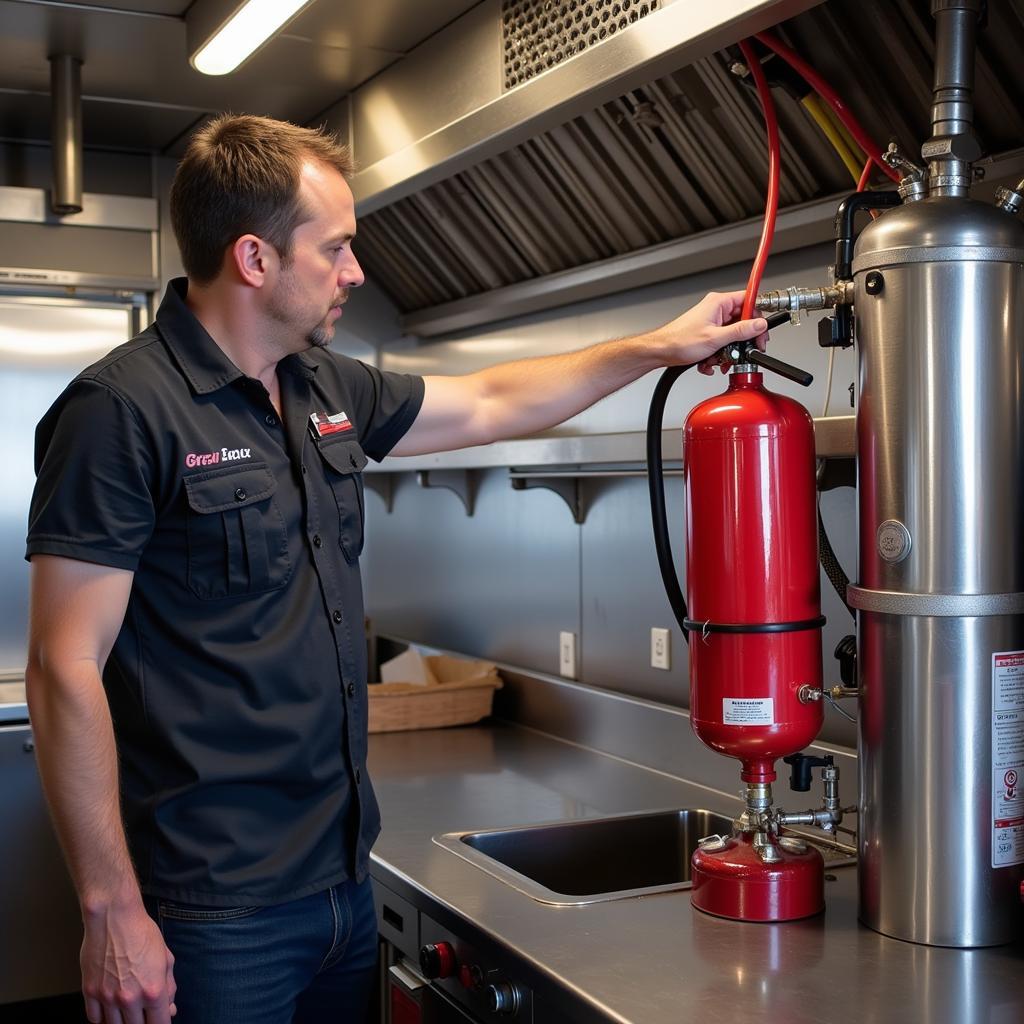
<point>323,334</point>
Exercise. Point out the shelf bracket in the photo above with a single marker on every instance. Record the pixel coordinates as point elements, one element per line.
<point>566,487</point>
<point>461,482</point>
<point>383,485</point>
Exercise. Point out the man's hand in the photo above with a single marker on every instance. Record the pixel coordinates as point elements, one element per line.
<point>700,332</point>
<point>127,971</point>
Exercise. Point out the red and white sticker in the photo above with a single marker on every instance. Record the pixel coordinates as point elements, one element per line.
<point>1007,758</point>
<point>748,710</point>
<point>321,423</point>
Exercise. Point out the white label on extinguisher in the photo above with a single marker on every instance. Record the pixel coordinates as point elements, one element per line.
<point>748,710</point>
<point>1007,759</point>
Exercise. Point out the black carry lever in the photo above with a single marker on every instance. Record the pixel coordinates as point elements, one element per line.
<point>748,352</point>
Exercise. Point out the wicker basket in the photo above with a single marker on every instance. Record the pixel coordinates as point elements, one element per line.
<point>463,695</point>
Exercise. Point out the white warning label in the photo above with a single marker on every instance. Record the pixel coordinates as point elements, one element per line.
<point>1007,759</point>
<point>748,710</point>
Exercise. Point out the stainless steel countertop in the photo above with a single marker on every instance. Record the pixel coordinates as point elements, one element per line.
<point>653,959</point>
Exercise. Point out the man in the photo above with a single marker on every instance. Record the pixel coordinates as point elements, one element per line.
<point>196,676</point>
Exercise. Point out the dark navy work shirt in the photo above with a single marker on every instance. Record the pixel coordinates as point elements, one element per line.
<point>237,683</point>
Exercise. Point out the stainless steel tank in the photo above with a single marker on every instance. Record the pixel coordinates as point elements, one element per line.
<point>939,300</point>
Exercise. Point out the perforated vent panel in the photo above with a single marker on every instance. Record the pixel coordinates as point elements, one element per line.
<point>538,34</point>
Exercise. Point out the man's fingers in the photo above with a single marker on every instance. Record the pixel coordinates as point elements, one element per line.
<point>93,1010</point>
<point>743,330</point>
<point>159,1011</point>
<point>111,1014</point>
<point>172,985</point>
<point>134,1013</point>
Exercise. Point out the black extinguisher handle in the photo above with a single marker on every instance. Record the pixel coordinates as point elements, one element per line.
<point>748,352</point>
<point>793,373</point>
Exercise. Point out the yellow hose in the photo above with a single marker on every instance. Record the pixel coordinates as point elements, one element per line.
<point>816,109</point>
<point>851,142</point>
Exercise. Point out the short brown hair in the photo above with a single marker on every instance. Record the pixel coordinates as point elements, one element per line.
<point>240,175</point>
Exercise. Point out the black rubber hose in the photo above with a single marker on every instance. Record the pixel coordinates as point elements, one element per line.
<point>833,570</point>
<point>845,229</point>
<point>656,487</point>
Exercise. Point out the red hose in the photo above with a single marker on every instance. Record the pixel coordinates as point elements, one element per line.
<point>865,175</point>
<point>772,202</point>
<point>862,183</point>
<point>829,95</point>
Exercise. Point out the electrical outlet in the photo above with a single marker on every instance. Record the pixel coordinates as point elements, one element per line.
<point>661,648</point>
<point>567,655</point>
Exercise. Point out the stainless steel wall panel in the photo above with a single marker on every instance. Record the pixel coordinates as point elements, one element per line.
<point>501,583</point>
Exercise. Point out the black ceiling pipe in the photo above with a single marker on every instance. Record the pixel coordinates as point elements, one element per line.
<point>66,100</point>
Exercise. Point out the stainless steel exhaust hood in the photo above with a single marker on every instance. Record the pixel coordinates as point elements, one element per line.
<point>489,188</point>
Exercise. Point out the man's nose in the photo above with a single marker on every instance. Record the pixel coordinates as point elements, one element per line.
<point>351,275</point>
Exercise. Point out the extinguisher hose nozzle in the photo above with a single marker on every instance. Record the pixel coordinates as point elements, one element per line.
<point>656,487</point>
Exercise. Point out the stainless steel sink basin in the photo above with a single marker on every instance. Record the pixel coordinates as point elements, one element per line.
<point>592,860</point>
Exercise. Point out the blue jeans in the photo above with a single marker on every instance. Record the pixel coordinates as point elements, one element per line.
<point>311,961</point>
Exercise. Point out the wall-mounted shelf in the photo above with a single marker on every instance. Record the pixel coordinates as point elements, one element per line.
<point>560,463</point>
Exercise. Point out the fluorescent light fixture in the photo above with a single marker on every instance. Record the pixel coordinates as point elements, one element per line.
<point>223,35</point>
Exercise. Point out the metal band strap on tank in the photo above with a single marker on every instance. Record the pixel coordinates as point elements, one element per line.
<point>891,602</point>
<point>754,627</point>
<point>938,254</point>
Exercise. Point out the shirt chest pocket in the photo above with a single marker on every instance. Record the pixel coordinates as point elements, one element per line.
<point>237,538</point>
<point>343,465</point>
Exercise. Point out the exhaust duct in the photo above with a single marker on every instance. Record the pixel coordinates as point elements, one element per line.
<point>66,99</point>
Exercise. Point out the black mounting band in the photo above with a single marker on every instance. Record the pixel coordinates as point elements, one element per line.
<point>754,627</point>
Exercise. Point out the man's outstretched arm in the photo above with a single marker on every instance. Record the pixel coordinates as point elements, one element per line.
<point>76,612</point>
<point>523,397</point>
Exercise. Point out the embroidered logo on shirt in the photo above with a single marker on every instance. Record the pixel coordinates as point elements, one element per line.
<point>213,458</point>
<point>321,424</point>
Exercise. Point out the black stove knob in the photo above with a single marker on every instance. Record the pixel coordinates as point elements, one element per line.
<point>437,960</point>
<point>503,998</point>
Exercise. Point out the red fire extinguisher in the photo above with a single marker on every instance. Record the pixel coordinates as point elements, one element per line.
<point>753,620</point>
<point>752,574</point>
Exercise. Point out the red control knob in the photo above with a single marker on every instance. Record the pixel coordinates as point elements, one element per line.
<point>437,960</point>
<point>471,976</point>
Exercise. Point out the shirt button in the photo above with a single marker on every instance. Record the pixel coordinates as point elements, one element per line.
<point>351,691</point>
<point>317,540</point>
<point>336,615</point>
<point>303,470</point>
<point>240,494</point>
<point>359,776</point>
<point>271,420</point>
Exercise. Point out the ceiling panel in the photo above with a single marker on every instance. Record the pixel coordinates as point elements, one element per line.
<point>135,51</point>
<point>143,7</point>
<point>395,25</point>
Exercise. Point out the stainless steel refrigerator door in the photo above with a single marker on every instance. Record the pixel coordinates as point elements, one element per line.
<point>44,343</point>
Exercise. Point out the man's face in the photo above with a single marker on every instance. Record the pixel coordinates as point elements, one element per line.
<point>315,279</point>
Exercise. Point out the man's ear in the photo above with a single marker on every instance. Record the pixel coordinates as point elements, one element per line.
<point>253,259</point>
